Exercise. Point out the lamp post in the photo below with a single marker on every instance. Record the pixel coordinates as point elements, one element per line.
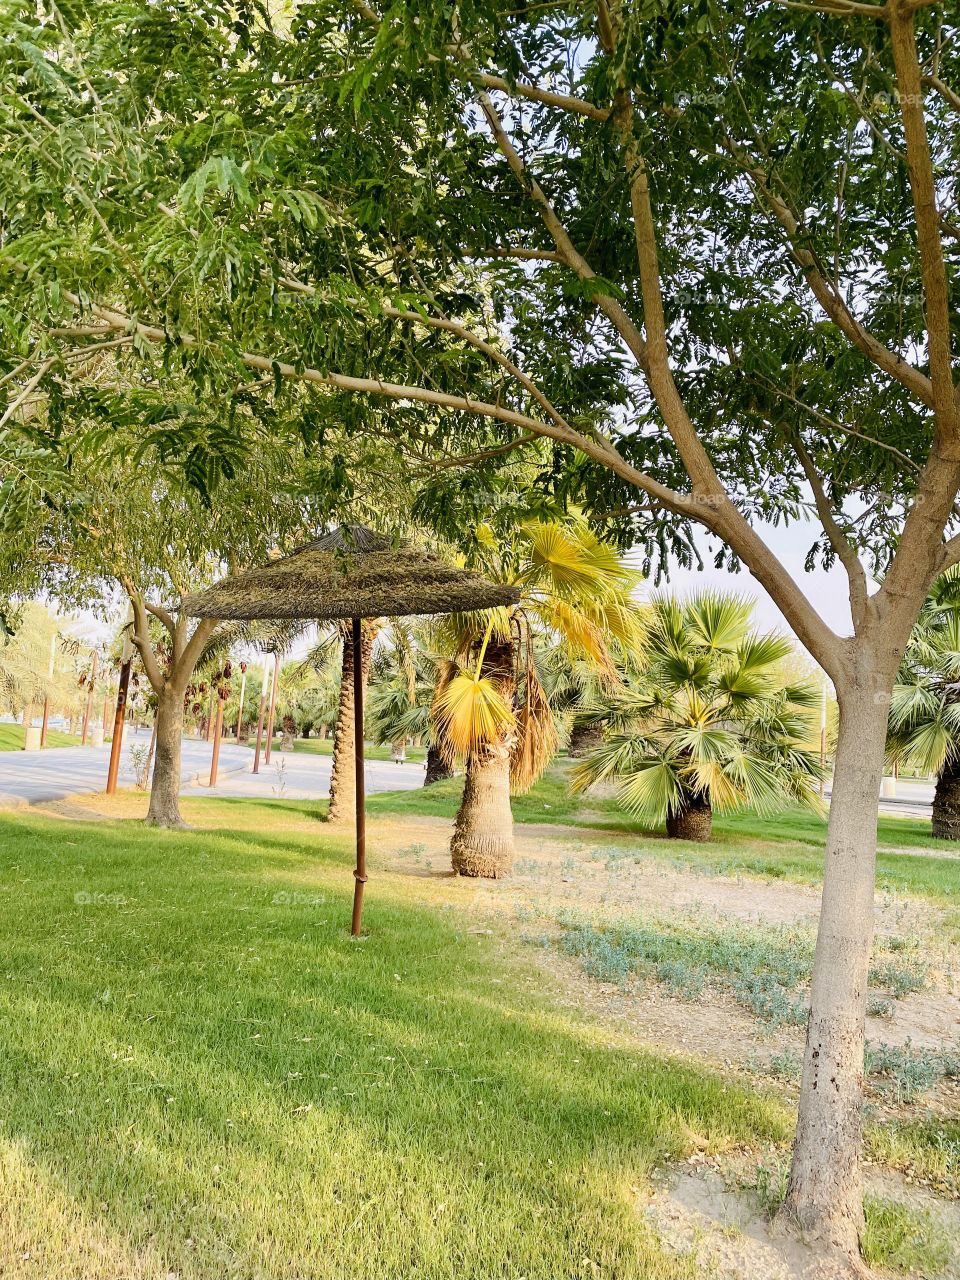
<point>86,710</point>
<point>217,731</point>
<point>243,690</point>
<point>115,745</point>
<point>273,707</point>
<point>263,704</point>
<point>46,701</point>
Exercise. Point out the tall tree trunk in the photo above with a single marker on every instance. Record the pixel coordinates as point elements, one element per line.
<point>693,820</point>
<point>164,808</point>
<point>946,802</point>
<point>437,767</point>
<point>343,769</point>
<point>584,736</point>
<point>482,843</point>
<point>825,1192</point>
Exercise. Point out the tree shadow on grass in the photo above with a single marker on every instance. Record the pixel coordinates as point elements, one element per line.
<point>219,1075</point>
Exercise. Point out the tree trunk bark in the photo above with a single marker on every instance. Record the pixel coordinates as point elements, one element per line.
<point>584,736</point>
<point>946,803</point>
<point>164,808</point>
<point>482,843</point>
<point>342,807</point>
<point>825,1192</point>
<point>692,821</point>
<point>289,728</point>
<point>437,767</point>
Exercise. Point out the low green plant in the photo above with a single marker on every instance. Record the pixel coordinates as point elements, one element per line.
<point>901,1238</point>
<point>908,1071</point>
<point>761,966</point>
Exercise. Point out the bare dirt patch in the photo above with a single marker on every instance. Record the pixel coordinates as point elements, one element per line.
<point>559,871</point>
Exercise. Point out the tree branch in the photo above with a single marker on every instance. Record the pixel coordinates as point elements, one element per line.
<point>936,286</point>
<point>193,649</point>
<point>141,636</point>
<point>856,577</point>
<point>889,362</point>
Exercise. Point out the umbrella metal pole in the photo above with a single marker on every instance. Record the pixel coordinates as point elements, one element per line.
<point>360,874</point>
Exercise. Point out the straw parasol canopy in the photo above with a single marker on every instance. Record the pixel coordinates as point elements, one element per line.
<point>351,573</point>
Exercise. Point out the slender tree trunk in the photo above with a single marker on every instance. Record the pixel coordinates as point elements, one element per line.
<point>482,843</point>
<point>164,808</point>
<point>946,802</point>
<point>343,770</point>
<point>825,1192</point>
<point>437,767</point>
<point>584,736</point>
<point>693,820</point>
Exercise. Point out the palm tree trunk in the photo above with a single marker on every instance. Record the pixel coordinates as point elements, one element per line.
<point>343,770</point>
<point>693,820</point>
<point>289,729</point>
<point>946,802</point>
<point>437,767</point>
<point>482,843</point>
<point>584,736</point>
<point>164,808</point>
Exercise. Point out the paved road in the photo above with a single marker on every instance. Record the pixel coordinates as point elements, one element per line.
<point>30,777</point>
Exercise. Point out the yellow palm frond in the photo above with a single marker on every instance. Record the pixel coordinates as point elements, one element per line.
<point>468,712</point>
<point>568,559</point>
<point>580,634</point>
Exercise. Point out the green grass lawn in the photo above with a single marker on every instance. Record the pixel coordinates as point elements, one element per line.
<point>786,845</point>
<point>202,1075</point>
<point>11,738</point>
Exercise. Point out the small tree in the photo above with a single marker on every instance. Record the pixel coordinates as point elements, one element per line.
<point>711,724</point>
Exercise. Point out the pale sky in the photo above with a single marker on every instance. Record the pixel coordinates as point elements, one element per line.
<point>826,590</point>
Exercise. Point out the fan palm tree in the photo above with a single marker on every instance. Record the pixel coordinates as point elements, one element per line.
<point>924,723</point>
<point>490,708</point>
<point>711,723</point>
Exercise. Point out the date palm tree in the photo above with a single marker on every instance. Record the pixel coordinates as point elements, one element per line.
<point>711,723</point>
<point>924,722</point>
<point>491,710</point>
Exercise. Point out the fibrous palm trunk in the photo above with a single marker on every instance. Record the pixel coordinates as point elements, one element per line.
<point>437,766</point>
<point>289,728</point>
<point>946,802</point>
<point>343,774</point>
<point>164,808</point>
<point>584,736</point>
<point>482,843</point>
<point>692,820</point>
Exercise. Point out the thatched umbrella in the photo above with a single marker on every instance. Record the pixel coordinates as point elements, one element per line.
<point>351,573</point>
